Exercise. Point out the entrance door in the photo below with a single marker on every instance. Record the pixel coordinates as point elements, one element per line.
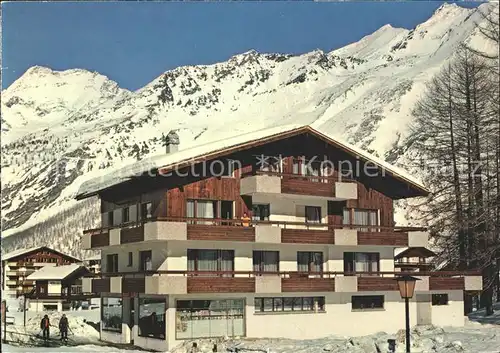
<point>226,211</point>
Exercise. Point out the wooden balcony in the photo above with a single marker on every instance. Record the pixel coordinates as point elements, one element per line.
<point>446,283</point>
<point>294,184</point>
<point>299,185</point>
<point>101,285</point>
<point>303,283</point>
<point>185,282</point>
<point>211,229</point>
<point>132,234</point>
<point>307,236</point>
<point>99,239</point>
<point>383,237</point>
<point>220,285</point>
<point>369,283</point>
<point>134,284</point>
<point>222,232</point>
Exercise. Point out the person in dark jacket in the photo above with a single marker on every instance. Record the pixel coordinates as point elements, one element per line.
<point>44,325</point>
<point>63,327</point>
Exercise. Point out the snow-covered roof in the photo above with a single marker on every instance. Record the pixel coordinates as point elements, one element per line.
<point>54,272</point>
<point>171,160</point>
<point>19,252</point>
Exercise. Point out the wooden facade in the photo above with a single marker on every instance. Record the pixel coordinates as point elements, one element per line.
<point>305,284</point>
<point>374,283</point>
<point>306,236</point>
<point>169,195</point>
<point>446,283</point>
<point>220,285</point>
<point>383,237</point>
<point>225,232</point>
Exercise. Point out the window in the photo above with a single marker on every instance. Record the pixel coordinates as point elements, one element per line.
<point>266,261</point>
<point>367,302</point>
<point>111,314</point>
<point>361,218</point>
<point>201,209</point>
<point>440,299</point>
<point>110,218</point>
<point>147,210</point>
<point>146,262</point>
<point>209,260</point>
<point>366,217</point>
<point>361,261</point>
<point>226,211</point>
<point>130,259</point>
<point>313,214</point>
<point>278,304</point>
<point>299,166</point>
<point>209,318</point>
<point>112,263</point>
<point>336,208</point>
<point>152,321</point>
<point>126,215</point>
<point>260,212</point>
<point>309,261</point>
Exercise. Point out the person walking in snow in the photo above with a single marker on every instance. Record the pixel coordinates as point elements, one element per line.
<point>63,327</point>
<point>44,325</point>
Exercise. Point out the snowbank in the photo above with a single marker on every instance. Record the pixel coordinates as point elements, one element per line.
<point>423,339</point>
<point>81,349</point>
<point>79,333</point>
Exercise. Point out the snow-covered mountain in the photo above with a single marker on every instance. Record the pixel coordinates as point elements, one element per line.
<point>61,128</point>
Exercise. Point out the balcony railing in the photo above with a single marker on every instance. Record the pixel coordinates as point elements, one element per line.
<point>297,184</point>
<point>291,281</point>
<point>213,229</point>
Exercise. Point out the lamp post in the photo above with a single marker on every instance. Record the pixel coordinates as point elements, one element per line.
<point>406,284</point>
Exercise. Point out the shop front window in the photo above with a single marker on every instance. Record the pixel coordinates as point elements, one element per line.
<point>111,314</point>
<point>152,321</point>
<point>209,318</point>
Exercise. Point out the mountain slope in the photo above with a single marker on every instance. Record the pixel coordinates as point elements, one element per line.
<point>61,128</point>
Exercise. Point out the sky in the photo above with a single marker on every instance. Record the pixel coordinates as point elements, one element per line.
<point>134,42</point>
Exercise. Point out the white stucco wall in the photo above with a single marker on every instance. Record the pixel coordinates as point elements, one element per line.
<point>451,314</point>
<point>338,318</point>
<point>158,251</point>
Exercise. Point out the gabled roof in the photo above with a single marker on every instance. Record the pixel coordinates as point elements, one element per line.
<point>226,146</point>
<point>54,272</point>
<point>20,252</point>
<point>415,252</point>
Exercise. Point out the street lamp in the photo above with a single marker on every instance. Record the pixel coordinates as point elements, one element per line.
<point>406,284</point>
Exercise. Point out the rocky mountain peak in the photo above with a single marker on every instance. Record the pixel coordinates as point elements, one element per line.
<point>68,126</point>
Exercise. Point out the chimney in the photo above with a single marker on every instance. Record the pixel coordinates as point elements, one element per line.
<point>172,142</point>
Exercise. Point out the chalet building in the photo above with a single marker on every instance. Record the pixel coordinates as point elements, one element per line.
<point>19,264</point>
<point>56,287</point>
<point>418,259</point>
<point>256,236</point>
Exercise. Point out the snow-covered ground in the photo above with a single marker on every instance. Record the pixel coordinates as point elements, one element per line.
<point>480,334</point>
